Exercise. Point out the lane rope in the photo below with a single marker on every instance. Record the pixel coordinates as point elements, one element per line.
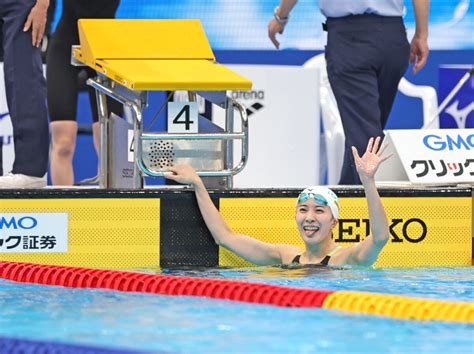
<point>401,307</point>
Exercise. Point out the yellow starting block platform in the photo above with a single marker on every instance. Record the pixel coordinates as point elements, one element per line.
<point>154,55</point>
<point>137,56</point>
<point>164,228</point>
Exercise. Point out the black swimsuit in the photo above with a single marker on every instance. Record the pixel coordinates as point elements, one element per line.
<point>324,262</point>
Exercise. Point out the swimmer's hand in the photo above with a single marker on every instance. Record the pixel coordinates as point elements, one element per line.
<point>368,164</point>
<point>184,174</point>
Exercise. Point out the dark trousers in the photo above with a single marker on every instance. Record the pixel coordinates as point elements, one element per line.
<point>366,57</point>
<point>25,89</point>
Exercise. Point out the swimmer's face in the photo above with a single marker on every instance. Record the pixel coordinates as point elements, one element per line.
<point>315,221</point>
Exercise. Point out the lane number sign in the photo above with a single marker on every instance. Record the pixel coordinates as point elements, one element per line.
<point>182,117</point>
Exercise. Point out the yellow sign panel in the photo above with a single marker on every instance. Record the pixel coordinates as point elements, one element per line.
<point>107,233</point>
<point>425,231</point>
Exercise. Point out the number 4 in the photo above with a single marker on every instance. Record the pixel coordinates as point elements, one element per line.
<point>187,118</point>
<point>182,117</point>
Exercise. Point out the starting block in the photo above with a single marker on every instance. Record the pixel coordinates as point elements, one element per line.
<point>133,57</point>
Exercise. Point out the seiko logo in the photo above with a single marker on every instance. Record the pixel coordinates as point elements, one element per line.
<point>456,142</point>
<point>412,230</point>
<point>249,95</point>
<point>25,222</point>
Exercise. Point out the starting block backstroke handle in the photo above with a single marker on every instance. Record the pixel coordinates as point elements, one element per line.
<point>243,135</point>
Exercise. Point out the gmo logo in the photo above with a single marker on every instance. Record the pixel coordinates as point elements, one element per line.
<point>457,142</point>
<point>25,222</point>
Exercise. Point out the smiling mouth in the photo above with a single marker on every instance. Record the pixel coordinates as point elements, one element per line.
<point>311,228</point>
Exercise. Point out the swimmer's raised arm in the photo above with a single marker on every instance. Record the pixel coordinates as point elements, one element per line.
<point>366,252</point>
<point>252,250</point>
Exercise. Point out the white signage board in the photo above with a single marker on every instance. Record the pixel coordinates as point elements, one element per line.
<point>33,232</point>
<point>284,126</point>
<point>432,156</point>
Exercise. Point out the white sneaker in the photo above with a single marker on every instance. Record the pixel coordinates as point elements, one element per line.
<point>17,180</point>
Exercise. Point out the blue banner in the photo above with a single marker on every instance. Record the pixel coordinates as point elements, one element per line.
<point>459,111</point>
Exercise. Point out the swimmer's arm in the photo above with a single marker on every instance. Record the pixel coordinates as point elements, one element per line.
<point>367,251</point>
<point>252,250</point>
<point>244,246</point>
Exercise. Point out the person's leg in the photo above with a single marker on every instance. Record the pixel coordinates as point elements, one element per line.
<point>357,99</point>
<point>63,141</point>
<point>395,51</point>
<point>354,82</point>
<point>62,103</point>
<point>104,9</point>
<point>26,92</point>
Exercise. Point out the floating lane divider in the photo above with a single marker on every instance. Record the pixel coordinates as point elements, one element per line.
<point>400,307</point>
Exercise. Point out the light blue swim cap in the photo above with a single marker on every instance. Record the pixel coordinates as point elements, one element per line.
<point>323,196</point>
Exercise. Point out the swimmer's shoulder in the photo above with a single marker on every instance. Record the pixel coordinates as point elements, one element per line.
<point>342,257</point>
<point>289,252</point>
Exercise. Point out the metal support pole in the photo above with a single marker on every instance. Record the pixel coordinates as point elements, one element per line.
<point>137,182</point>
<point>104,141</point>
<point>192,97</point>
<point>228,144</point>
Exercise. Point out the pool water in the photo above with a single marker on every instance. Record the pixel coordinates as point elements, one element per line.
<point>184,324</point>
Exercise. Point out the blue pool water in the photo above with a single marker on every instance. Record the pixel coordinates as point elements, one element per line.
<point>148,322</point>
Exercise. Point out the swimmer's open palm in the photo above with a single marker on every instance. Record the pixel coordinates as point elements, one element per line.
<point>184,174</point>
<point>368,164</point>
